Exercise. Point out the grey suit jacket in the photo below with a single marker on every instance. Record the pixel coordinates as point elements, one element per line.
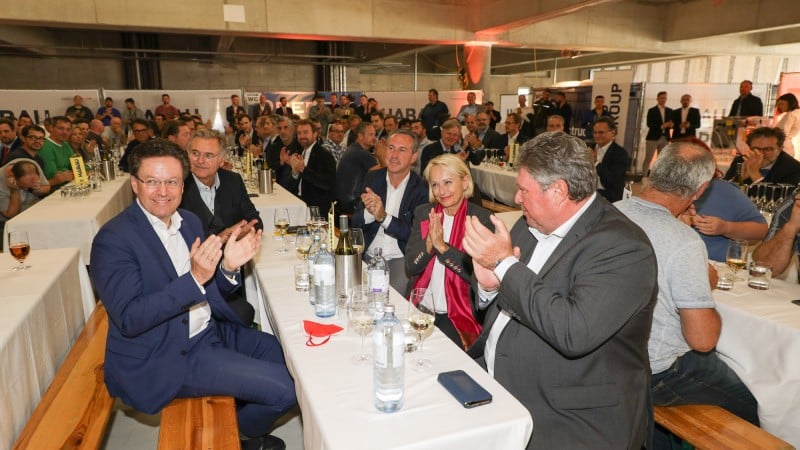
<point>575,351</point>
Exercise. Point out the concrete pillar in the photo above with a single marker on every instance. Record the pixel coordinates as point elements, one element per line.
<point>478,62</point>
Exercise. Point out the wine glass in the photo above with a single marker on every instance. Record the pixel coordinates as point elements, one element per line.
<point>736,256</point>
<point>20,247</point>
<point>281,222</point>
<point>303,243</point>
<point>357,236</point>
<point>421,320</point>
<point>362,316</point>
<point>312,216</point>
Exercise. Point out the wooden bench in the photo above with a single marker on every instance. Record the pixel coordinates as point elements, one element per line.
<point>199,423</point>
<point>74,411</point>
<point>712,427</point>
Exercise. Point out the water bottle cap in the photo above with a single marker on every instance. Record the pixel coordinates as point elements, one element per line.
<point>388,308</point>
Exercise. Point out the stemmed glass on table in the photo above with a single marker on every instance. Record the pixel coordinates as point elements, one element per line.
<point>303,242</point>
<point>20,247</point>
<point>362,316</point>
<point>281,222</point>
<point>736,256</point>
<point>421,320</point>
<point>357,237</point>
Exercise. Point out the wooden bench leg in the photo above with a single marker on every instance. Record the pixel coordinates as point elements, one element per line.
<point>199,423</point>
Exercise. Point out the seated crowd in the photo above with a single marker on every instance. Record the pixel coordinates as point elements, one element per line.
<point>548,307</point>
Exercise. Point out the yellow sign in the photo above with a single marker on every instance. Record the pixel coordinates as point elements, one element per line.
<point>79,170</point>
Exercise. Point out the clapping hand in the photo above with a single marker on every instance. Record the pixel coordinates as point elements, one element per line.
<point>435,238</point>
<point>486,248</point>
<point>242,246</point>
<point>205,257</point>
<point>373,204</point>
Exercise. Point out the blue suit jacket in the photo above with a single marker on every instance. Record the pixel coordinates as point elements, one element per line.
<point>148,307</point>
<point>400,227</point>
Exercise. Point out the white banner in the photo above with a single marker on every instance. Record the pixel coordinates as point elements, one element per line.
<point>40,104</point>
<point>615,86</point>
<point>407,105</point>
<point>210,104</point>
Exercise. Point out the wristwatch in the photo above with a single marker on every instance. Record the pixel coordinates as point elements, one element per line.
<point>382,219</point>
<point>497,263</point>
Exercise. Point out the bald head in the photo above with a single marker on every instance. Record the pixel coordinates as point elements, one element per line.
<point>96,126</point>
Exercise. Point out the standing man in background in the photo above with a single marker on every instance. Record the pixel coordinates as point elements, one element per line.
<point>659,124</point>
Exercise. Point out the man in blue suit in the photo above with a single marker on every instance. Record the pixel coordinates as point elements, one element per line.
<point>386,210</point>
<point>171,333</point>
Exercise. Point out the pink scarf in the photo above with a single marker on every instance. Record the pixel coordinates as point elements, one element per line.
<point>456,289</point>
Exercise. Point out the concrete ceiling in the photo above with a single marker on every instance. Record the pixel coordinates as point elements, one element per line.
<point>526,35</point>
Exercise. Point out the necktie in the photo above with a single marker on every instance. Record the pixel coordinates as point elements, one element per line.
<point>6,150</point>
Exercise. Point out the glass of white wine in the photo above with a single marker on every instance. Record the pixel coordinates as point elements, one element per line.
<point>312,216</point>
<point>303,243</point>
<point>281,222</point>
<point>20,248</point>
<point>421,320</point>
<point>357,237</point>
<point>362,316</point>
<point>736,257</point>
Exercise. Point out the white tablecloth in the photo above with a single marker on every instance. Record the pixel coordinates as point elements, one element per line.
<point>335,395</point>
<point>760,341</point>
<point>266,204</point>
<point>496,183</point>
<point>58,222</point>
<point>42,311</point>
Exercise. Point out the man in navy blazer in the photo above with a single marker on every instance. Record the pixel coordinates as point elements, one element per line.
<point>171,333</point>
<point>659,122</point>
<point>313,172</point>
<point>685,120</point>
<point>219,198</point>
<point>611,160</point>
<point>386,211</point>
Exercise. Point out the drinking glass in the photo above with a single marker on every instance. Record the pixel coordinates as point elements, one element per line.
<point>421,320</point>
<point>19,247</point>
<point>357,236</point>
<point>281,222</point>
<point>361,315</point>
<point>736,257</point>
<point>303,243</point>
<point>312,216</point>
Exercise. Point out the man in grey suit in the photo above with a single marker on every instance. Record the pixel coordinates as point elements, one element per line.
<point>570,294</point>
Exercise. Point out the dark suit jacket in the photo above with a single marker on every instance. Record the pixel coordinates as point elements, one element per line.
<point>254,140</point>
<point>256,112</point>
<point>575,350</point>
<point>280,111</point>
<point>502,141</point>
<point>231,203</point>
<point>693,117</point>
<point>786,170</point>
<point>283,173</point>
<point>231,113</point>
<point>435,149</point>
<point>416,194</point>
<point>751,106</point>
<point>654,122</point>
<point>565,112</point>
<point>611,172</point>
<point>148,308</point>
<point>318,180</point>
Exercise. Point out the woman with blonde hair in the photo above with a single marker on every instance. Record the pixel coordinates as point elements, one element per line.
<point>435,255</point>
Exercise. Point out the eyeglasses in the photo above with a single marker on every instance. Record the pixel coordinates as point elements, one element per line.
<point>140,130</point>
<point>35,138</point>
<point>765,149</point>
<point>171,184</point>
<point>207,156</point>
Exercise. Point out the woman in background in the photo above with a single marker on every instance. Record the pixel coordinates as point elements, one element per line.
<point>788,120</point>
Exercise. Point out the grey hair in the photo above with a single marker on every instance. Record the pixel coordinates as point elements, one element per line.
<point>554,156</point>
<point>681,168</point>
<point>410,134</point>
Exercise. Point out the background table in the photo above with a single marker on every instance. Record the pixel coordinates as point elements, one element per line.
<point>266,204</point>
<point>760,341</point>
<point>335,395</point>
<point>42,311</point>
<point>495,182</point>
<point>58,222</point>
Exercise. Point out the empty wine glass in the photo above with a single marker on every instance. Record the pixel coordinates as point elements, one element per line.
<point>20,247</point>
<point>421,320</point>
<point>361,314</point>
<point>736,256</point>
<point>281,222</point>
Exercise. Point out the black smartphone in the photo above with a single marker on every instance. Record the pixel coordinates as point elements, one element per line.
<point>466,390</point>
<point>796,302</point>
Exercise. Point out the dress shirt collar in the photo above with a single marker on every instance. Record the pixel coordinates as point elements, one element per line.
<point>565,227</point>
<point>159,226</point>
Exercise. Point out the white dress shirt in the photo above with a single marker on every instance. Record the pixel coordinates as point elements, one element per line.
<point>391,249</point>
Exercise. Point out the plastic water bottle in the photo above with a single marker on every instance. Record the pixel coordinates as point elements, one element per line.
<point>324,283</point>
<point>378,282</point>
<point>388,345</point>
<point>312,254</point>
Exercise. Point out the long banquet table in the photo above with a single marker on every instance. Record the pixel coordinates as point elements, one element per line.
<point>61,222</point>
<point>266,204</point>
<point>42,311</point>
<point>496,183</point>
<point>760,341</point>
<point>335,395</point>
